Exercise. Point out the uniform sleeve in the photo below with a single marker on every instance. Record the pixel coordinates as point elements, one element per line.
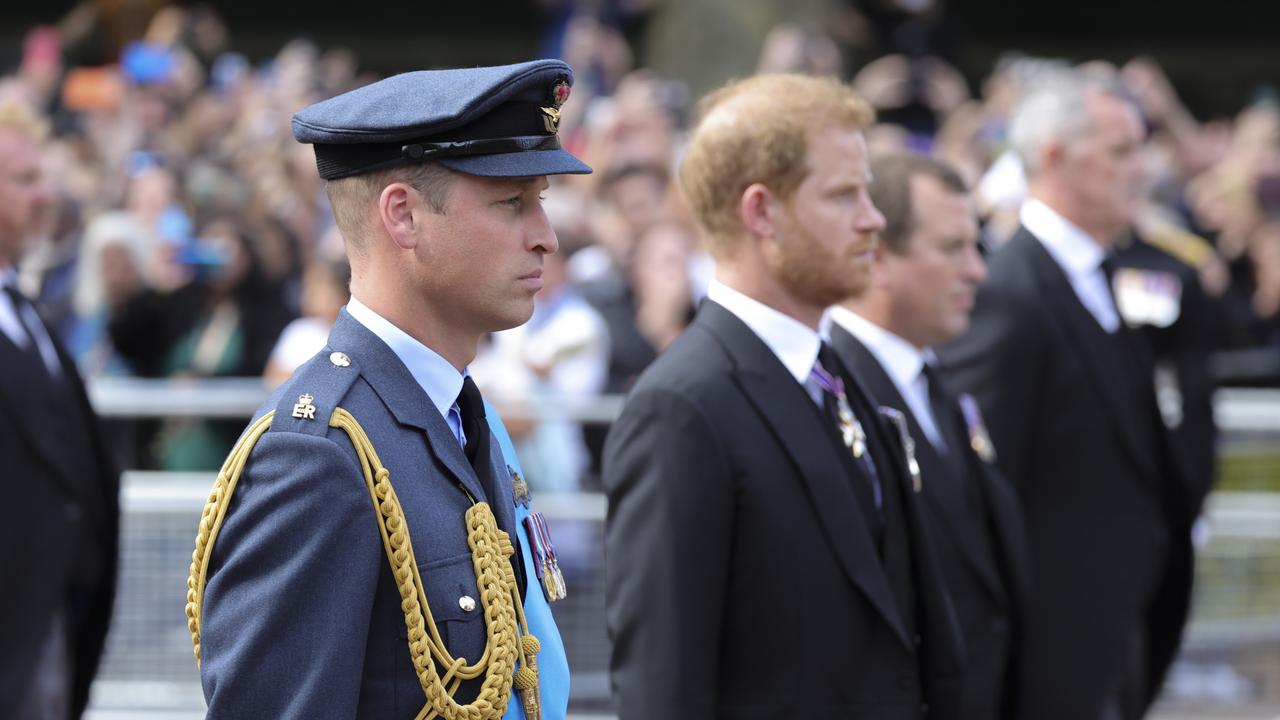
<point>292,581</point>
<point>667,544</point>
<point>998,362</point>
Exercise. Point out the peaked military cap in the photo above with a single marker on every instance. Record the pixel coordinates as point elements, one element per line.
<point>492,121</point>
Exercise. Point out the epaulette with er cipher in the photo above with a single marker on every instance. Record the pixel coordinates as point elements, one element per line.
<point>314,391</point>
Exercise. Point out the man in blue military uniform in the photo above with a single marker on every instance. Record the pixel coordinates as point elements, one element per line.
<point>361,554</point>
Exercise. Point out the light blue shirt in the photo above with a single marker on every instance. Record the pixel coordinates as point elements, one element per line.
<point>439,379</point>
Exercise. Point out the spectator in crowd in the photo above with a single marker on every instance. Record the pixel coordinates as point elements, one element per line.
<point>325,289</point>
<point>224,322</point>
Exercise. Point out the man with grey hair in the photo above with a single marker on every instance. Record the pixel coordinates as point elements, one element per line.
<point>1071,412</point>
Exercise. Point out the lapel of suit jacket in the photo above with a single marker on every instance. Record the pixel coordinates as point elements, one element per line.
<point>788,410</point>
<point>402,395</point>
<point>1080,324</point>
<point>37,422</point>
<point>942,482</point>
<point>1009,528</point>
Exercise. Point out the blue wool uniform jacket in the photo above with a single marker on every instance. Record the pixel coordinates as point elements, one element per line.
<point>301,615</point>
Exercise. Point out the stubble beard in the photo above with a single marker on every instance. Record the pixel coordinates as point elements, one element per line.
<point>817,279</point>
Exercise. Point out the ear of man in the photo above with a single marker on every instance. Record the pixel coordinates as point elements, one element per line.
<point>399,209</point>
<point>758,211</point>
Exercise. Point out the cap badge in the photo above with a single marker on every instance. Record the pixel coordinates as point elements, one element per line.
<point>560,92</point>
<point>551,115</point>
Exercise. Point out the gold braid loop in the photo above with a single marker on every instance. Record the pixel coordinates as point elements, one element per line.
<point>215,509</point>
<point>508,640</point>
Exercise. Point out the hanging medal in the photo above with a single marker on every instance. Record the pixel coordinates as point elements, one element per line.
<point>851,432</point>
<point>545,563</point>
<point>553,578</point>
<point>979,439</point>
<point>850,429</point>
<point>908,444</point>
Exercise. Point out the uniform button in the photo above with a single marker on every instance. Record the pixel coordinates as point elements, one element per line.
<point>467,603</point>
<point>339,359</point>
<point>906,682</point>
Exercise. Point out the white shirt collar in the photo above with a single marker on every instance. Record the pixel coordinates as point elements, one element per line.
<point>1074,249</point>
<point>900,358</point>
<point>440,380</point>
<point>795,343</point>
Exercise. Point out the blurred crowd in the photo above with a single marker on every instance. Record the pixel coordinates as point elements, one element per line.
<point>188,234</point>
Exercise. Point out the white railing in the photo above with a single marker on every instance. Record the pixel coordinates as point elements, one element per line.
<point>1236,410</point>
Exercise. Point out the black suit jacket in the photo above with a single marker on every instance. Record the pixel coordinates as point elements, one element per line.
<point>742,581</point>
<point>1072,414</point>
<point>58,522</point>
<point>982,554</point>
<point>1184,348</point>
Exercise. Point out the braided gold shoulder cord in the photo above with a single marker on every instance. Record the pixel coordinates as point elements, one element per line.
<point>491,550</point>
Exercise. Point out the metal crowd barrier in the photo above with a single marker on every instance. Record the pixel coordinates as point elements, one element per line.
<point>1236,410</point>
<point>1230,661</point>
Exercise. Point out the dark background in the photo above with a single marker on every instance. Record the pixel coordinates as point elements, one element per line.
<point>1220,55</point>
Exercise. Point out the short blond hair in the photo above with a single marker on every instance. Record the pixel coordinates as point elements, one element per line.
<point>351,197</point>
<point>757,130</point>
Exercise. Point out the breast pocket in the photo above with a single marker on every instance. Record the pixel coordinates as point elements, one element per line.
<point>455,605</point>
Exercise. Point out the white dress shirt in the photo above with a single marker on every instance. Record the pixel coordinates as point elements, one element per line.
<point>902,362</point>
<point>1080,257</point>
<point>794,343</point>
<point>12,326</point>
<point>440,380</point>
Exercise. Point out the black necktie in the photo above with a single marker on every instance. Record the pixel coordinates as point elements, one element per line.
<point>943,407</point>
<point>474,425</point>
<point>20,305</point>
<point>828,374</point>
<point>955,434</point>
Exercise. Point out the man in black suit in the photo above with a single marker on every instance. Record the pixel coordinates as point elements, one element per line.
<point>926,275</point>
<point>767,555</point>
<point>59,518</point>
<point>1160,294</point>
<point>1068,396</point>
